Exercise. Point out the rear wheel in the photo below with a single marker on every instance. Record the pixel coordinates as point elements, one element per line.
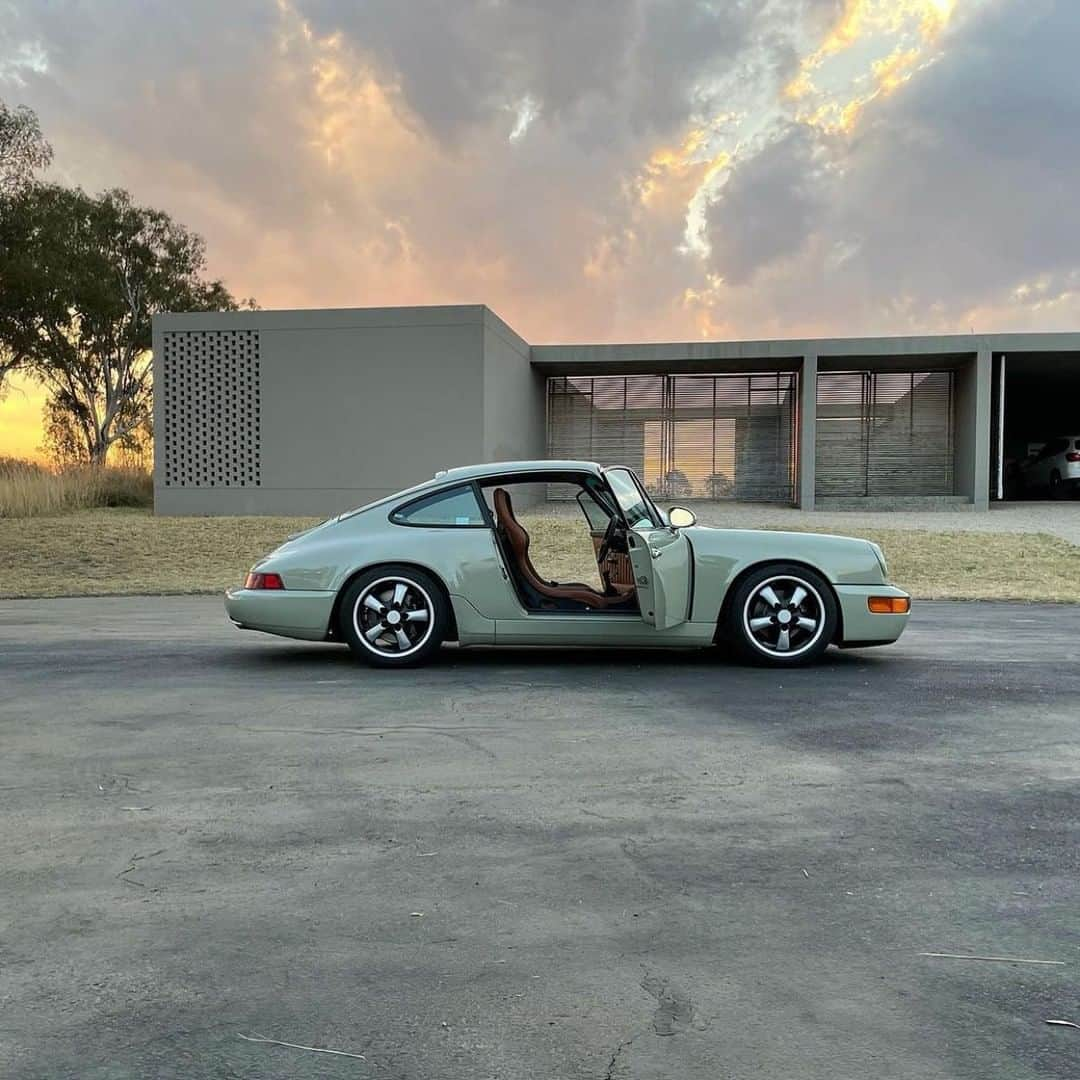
<point>394,616</point>
<point>782,615</point>
<point>1057,486</point>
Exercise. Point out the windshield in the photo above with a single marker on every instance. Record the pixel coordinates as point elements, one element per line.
<point>634,503</point>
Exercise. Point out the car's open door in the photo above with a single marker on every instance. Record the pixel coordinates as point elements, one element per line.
<point>660,555</point>
<point>662,571</point>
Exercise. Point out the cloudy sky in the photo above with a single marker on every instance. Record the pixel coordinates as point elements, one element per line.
<point>595,170</point>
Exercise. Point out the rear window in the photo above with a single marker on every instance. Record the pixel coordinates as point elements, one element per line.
<point>453,507</point>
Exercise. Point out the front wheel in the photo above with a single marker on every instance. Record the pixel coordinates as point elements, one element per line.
<point>782,615</point>
<point>394,616</point>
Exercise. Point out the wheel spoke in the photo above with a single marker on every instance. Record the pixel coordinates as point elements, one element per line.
<point>761,623</point>
<point>375,604</point>
<point>783,642</point>
<point>400,589</point>
<point>809,625</point>
<point>375,633</point>
<point>402,639</point>
<point>798,596</point>
<point>770,597</point>
<point>420,615</point>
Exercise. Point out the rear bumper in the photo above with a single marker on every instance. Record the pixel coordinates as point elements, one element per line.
<point>288,612</point>
<point>860,625</point>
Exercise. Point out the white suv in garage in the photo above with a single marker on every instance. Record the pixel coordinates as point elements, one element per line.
<point>1055,467</point>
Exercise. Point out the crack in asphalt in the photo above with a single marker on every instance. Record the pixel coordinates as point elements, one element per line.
<point>610,1074</point>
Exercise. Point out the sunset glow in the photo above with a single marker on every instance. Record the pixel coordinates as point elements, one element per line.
<point>655,170</point>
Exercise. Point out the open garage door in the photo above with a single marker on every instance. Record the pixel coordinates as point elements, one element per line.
<point>885,433</point>
<point>687,436</point>
<point>1036,400</point>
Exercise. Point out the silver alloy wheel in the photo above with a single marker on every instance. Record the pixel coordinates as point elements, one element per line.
<point>393,617</point>
<point>784,616</point>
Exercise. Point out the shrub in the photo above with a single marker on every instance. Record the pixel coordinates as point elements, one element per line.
<point>28,489</point>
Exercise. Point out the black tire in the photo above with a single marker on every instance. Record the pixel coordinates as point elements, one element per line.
<point>1057,486</point>
<point>763,643</point>
<point>359,620</point>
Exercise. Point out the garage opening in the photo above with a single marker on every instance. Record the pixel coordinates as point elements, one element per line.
<point>1035,425</point>
<point>687,436</point>
<point>885,433</point>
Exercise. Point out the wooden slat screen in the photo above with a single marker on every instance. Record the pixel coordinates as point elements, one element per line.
<point>687,436</point>
<point>885,433</point>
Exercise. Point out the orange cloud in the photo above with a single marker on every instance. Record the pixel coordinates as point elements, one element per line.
<point>865,27</point>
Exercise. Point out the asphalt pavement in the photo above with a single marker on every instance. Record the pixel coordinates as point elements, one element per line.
<point>535,863</point>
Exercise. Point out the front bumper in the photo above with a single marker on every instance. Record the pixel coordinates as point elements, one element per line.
<point>291,613</point>
<point>860,626</point>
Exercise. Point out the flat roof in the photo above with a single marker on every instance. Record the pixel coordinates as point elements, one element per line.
<point>762,354</point>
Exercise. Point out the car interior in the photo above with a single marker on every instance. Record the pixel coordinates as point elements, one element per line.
<point>607,532</point>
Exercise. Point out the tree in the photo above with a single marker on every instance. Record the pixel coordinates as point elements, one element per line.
<point>80,279</point>
<point>23,149</point>
<point>719,486</point>
<point>674,484</point>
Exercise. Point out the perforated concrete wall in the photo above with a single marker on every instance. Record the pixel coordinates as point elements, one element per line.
<point>212,414</point>
<point>311,413</point>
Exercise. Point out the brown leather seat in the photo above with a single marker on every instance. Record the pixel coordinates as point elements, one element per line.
<point>518,541</point>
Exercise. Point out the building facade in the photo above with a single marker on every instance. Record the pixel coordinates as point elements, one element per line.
<point>313,412</point>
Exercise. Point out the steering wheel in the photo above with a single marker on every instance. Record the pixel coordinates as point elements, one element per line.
<point>608,540</point>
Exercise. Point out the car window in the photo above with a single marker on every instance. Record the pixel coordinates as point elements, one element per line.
<point>456,506</point>
<point>633,503</point>
<point>597,516</point>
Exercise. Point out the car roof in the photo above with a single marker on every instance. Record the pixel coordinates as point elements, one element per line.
<point>501,468</point>
<point>464,473</point>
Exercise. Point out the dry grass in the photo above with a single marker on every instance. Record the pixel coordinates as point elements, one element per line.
<point>30,490</point>
<point>98,552</point>
<point>979,565</point>
<point>561,549</point>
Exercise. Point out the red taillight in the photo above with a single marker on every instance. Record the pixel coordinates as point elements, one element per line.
<point>1072,456</point>
<point>263,581</point>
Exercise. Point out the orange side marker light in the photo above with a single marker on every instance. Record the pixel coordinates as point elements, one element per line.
<point>889,605</point>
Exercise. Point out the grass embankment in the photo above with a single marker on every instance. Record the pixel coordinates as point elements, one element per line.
<point>100,552</point>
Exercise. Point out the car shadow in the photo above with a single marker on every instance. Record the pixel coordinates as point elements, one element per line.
<point>451,657</point>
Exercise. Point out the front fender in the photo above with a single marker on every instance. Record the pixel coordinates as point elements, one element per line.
<point>722,555</point>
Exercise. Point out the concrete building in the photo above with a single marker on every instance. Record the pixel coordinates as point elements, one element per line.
<point>313,412</point>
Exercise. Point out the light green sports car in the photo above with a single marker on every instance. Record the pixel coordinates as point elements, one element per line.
<point>449,560</point>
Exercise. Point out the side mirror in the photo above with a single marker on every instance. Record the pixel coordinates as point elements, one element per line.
<point>681,518</point>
